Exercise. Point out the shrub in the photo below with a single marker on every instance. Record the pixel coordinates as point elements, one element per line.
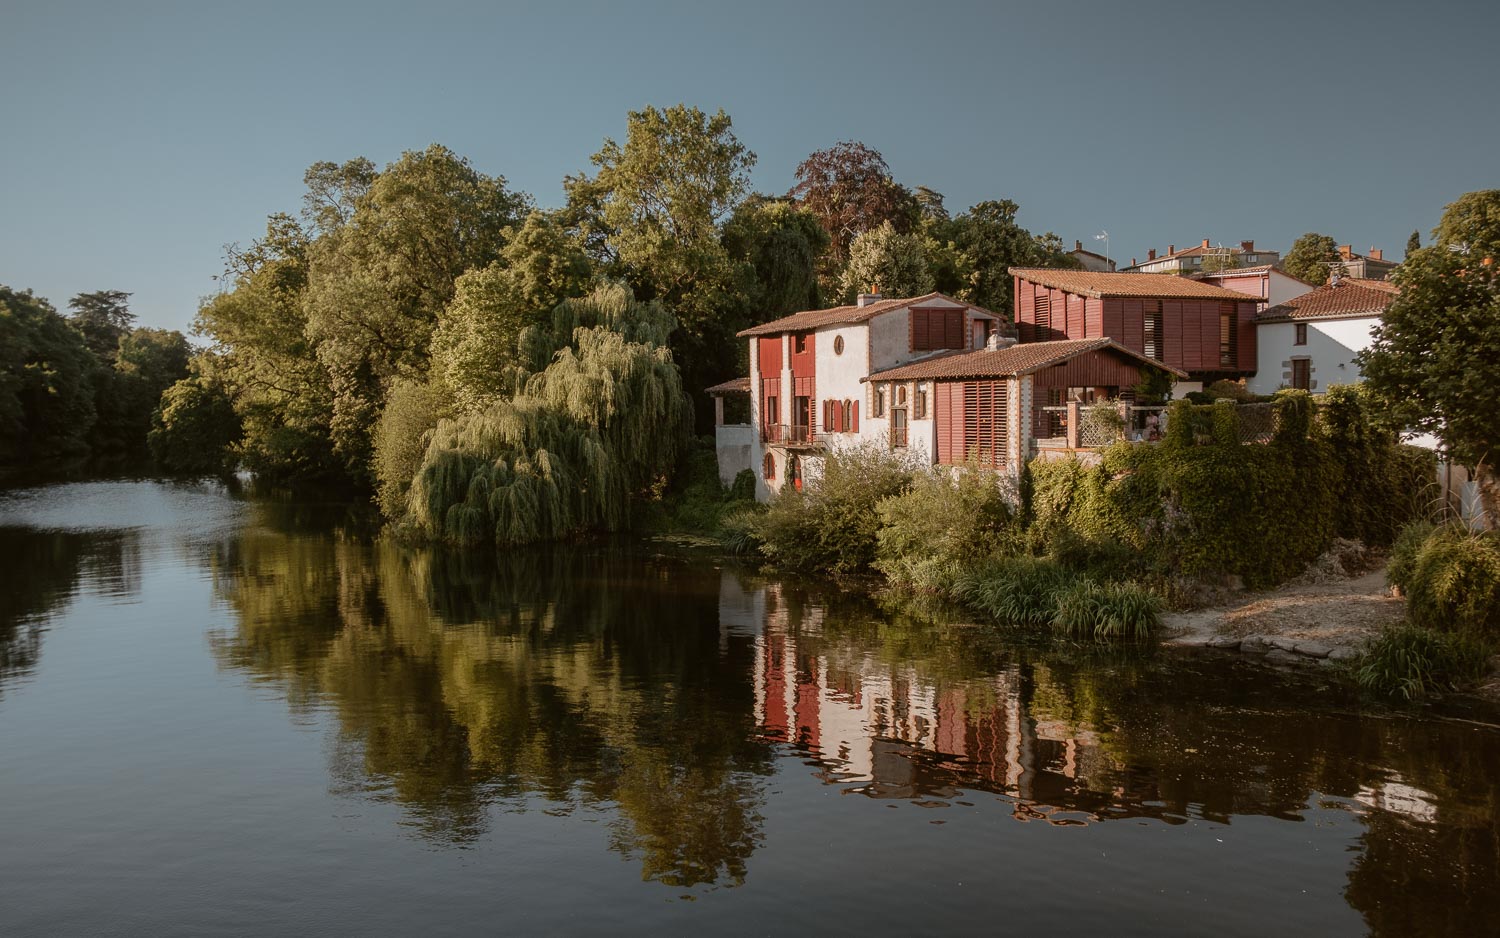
<point>832,525</point>
<point>1112,611</point>
<point>1224,389</point>
<point>737,531</point>
<point>1454,582</point>
<point>1410,662</point>
<point>1404,550</point>
<point>944,524</point>
<point>400,442</point>
<point>1020,591</point>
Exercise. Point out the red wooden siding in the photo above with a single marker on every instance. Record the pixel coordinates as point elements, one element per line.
<point>770,356</point>
<point>972,418</point>
<point>936,328</point>
<point>804,364</point>
<point>1090,370</point>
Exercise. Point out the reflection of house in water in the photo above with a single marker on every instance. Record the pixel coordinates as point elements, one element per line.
<point>904,735</point>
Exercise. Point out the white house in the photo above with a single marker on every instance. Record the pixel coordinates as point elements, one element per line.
<point>1310,341</point>
<point>1190,260</point>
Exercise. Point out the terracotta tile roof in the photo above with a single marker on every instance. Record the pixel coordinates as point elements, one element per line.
<point>1199,249</point>
<point>1246,272</point>
<point>1021,359</point>
<point>730,386</point>
<point>841,315</point>
<point>1097,284</point>
<point>1354,297</point>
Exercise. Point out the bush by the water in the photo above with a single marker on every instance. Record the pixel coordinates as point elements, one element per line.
<point>1086,609</point>
<point>1410,662</point>
<point>1450,576</point>
<point>1020,591</point>
<point>833,524</point>
<point>944,524</point>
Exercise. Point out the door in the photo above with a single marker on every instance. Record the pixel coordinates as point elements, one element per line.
<point>802,419</point>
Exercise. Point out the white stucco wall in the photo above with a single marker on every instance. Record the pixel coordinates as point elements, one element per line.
<point>734,444</point>
<point>1331,346</point>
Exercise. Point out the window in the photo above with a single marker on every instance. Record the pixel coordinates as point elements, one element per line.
<point>919,404</point>
<point>799,343</point>
<point>768,468</point>
<point>772,410</point>
<point>879,406</point>
<point>846,417</point>
<point>838,345</point>
<point>933,329</point>
<point>1228,344</point>
<point>1153,332</point>
<point>901,396</point>
<point>898,427</point>
<point>1301,334</point>
<point>1302,374</point>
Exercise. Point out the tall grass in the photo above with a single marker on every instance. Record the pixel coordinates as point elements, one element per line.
<point>1112,611</point>
<point>1411,662</point>
<point>1035,592</point>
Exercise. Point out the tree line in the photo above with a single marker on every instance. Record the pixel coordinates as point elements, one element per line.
<point>81,386</point>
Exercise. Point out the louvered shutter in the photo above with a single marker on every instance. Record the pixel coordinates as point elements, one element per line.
<point>855,411</point>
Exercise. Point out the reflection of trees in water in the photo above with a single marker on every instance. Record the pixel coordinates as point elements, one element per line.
<point>1082,734</point>
<point>42,573</point>
<point>463,681</point>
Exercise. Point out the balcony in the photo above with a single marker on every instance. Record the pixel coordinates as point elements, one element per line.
<point>791,436</point>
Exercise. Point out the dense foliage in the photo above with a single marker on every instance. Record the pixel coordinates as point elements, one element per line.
<point>1433,358</point>
<point>83,386</point>
<point>1311,258</point>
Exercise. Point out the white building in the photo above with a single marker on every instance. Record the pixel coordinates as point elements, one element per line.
<point>1272,284</point>
<point>1309,342</point>
<point>1190,260</point>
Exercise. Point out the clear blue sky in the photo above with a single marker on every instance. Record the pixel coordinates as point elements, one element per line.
<point>139,138</point>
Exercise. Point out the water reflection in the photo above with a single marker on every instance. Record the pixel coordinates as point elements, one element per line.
<point>681,706</point>
<point>464,682</point>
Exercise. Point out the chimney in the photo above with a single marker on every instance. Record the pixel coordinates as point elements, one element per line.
<point>1171,249</point>
<point>997,341</point>
<point>1247,246</point>
<point>1133,263</point>
<point>865,299</point>
<point>1077,245</point>
<point>1377,254</point>
<point>1150,254</point>
<point>1346,251</point>
<point>1205,242</point>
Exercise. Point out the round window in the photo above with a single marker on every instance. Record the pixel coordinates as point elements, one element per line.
<point>838,345</point>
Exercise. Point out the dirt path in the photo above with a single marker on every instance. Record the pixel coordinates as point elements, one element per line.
<point>1331,618</point>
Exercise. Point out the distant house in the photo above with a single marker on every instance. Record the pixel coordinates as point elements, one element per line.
<point>808,370</point>
<point>1090,260</point>
<point>993,404</point>
<point>1268,282</point>
<point>1309,342</point>
<point>1373,266</point>
<point>1203,330</point>
<point>1190,260</point>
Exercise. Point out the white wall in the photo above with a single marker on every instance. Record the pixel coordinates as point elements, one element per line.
<point>1331,345</point>
<point>735,446</point>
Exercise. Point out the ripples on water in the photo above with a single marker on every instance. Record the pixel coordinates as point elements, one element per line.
<point>248,715</point>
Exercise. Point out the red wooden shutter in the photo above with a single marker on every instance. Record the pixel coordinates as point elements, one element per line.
<point>921,331</point>
<point>953,329</point>
<point>855,427</point>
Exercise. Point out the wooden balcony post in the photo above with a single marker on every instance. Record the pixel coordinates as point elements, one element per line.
<point>1073,421</point>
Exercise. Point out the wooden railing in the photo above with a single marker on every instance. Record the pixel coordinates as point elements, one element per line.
<point>796,434</point>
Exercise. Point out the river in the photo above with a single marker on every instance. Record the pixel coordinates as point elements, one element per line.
<point>222,714</point>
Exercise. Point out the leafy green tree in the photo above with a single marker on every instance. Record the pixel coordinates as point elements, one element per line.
<point>195,428</point>
<point>46,382</point>
<point>147,362</point>
<point>655,209</point>
<point>1433,355</point>
<point>1310,257</point>
<point>378,283</point>
<point>894,262</point>
<point>779,246</point>
<point>103,318</point>
<point>1413,244</point>
<point>987,241</point>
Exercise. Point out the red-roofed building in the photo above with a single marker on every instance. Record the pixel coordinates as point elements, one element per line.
<point>1310,342</point>
<point>1190,260</point>
<point>1199,328</point>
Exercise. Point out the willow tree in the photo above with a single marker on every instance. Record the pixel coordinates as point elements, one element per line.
<point>601,423</point>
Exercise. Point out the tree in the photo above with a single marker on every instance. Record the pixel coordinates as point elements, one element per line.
<point>655,208</point>
<point>1413,244</point>
<point>195,428</point>
<point>1433,355</point>
<point>987,241</point>
<point>46,382</point>
<point>897,263</point>
<point>849,189</point>
<point>1310,257</point>
<point>779,246</point>
<point>102,318</point>
<point>126,395</point>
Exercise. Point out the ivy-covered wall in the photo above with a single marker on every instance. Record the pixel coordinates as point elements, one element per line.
<point>1203,503</point>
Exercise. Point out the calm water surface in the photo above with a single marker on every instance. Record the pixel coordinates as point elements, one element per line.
<point>227,716</point>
